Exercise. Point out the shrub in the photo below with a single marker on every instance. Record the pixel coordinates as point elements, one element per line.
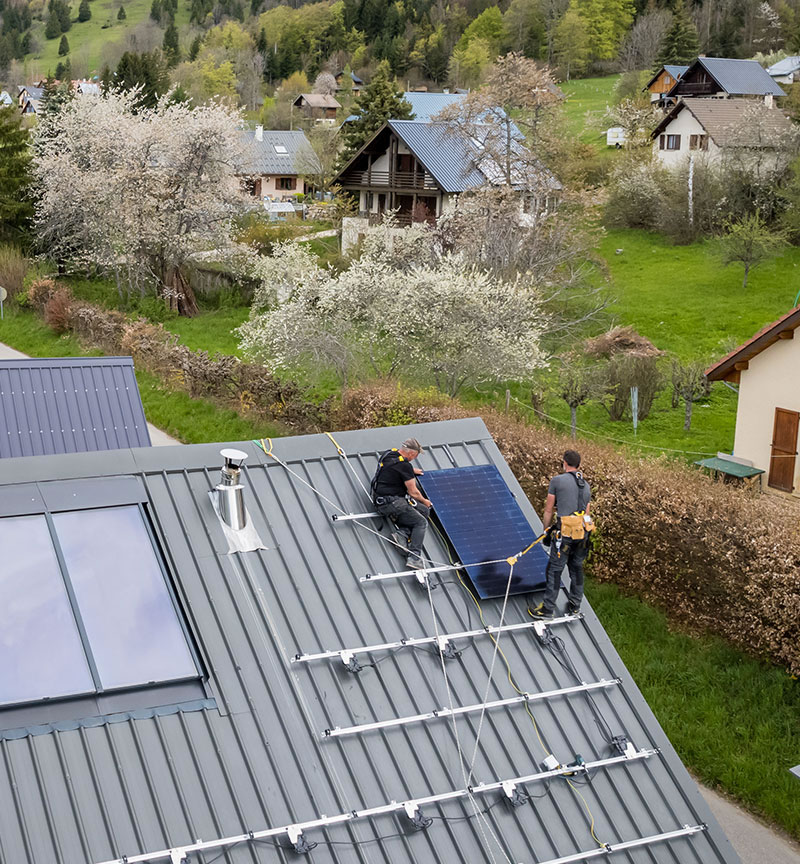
<point>634,195</point>
<point>13,267</point>
<point>58,310</point>
<point>716,558</point>
<point>40,291</point>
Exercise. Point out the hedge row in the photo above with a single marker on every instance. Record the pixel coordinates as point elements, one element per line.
<point>248,388</point>
<point>717,558</point>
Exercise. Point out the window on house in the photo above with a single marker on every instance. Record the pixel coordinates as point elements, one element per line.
<point>280,149</point>
<point>286,183</point>
<point>85,607</point>
<point>673,142</point>
<point>698,142</point>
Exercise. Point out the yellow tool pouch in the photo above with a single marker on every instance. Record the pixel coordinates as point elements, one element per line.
<point>572,527</point>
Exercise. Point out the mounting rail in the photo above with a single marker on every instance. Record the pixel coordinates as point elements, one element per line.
<point>421,573</point>
<point>339,732</point>
<point>345,517</point>
<point>610,848</point>
<point>346,653</point>
<point>293,832</point>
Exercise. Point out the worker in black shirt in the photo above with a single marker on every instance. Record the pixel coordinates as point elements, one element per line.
<point>397,496</point>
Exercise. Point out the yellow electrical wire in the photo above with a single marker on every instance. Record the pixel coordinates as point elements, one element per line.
<point>511,679</point>
<point>335,444</point>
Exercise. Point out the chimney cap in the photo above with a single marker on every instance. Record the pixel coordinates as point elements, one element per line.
<point>233,456</point>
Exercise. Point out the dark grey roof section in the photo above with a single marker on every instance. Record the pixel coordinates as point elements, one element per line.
<point>448,157</point>
<point>735,77</point>
<point>69,405</point>
<point>426,105</point>
<point>92,794</point>
<point>276,152</point>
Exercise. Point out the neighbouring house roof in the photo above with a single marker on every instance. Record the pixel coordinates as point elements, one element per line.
<point>5,98</point>
<point>353,76</point>
<point>787,66</point>
<point>257,757</point>
<point>33,92</point>
<point>734,77</point>
<point>69,405</point>
<point>278,152</point>
<point>317,100</point>
<point>426,105</point>
<point>729,367</point>
<point>675,71</point>
<point>732,122</point>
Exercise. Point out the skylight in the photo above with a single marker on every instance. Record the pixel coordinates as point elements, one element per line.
<point>84,607</point>
<point>280,149</point>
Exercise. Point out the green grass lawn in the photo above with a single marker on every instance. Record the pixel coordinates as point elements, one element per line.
<point>735,722</point>
<point>588,95</point>
<point>193,421</point>
<point>88,39</point>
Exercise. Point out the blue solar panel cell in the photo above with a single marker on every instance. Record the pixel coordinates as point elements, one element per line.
<point>484,522</point>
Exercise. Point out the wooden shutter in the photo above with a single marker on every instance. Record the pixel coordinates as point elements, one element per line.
<point>784,449</point>
<point>662,139</point>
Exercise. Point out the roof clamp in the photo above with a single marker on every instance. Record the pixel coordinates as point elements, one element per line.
<point>298,841</point>
<point>515,796</point>
<point>543,633</point>
<point>448,648</point>
<point>624,747</point>
<point>178,856</point>
<point>418,821</point>
<point>350,661</point>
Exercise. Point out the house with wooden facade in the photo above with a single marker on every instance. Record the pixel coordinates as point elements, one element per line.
<point>766,369</point>
<point>711,126</point>
<point>418,170</point>
<point>721,78</point>
<point>319,107</point>
<point>662,82</point>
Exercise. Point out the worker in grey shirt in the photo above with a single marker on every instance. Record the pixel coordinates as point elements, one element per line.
<point>569,494</point>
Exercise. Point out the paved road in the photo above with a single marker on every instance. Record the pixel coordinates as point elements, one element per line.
<point>755,843</point>
<point>157,437</point>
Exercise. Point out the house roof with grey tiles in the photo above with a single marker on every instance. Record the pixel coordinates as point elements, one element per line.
<point>733,122</point>
<point>276,152</point>
<point>254,756</point>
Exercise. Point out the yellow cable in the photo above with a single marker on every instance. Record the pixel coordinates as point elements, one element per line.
<point>513,684</point>
<point>335,444</point>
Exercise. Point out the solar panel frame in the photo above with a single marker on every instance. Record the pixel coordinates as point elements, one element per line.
<point>483,521</point>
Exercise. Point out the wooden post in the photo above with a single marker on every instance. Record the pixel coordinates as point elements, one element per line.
<point>508,400</point>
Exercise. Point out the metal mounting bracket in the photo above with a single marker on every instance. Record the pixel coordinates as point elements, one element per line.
<point>418,821</point>
<point>448,649</point>
<point>350,661</point>
<point>516,797</point>
<point>297,840</point>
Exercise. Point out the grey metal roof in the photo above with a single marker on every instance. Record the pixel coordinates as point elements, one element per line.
<point>69,405</point>
<point>447,157</point>
<point>739,77</point>
<point>266,156</point>
<point>787,66</point>
<point>132,785</point>
<point>317,100</point>
<point>426,105</point>
<point>675,71</point>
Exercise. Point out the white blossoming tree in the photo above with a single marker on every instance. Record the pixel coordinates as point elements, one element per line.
<point>137,192</point>
<point>399,308</point>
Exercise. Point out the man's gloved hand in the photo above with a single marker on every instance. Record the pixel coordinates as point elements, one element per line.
<point>548,536</point>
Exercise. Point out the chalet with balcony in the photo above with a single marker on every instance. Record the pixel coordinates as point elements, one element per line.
<point>662,82</point>
<point>721,77</point>
<point>418,169</point>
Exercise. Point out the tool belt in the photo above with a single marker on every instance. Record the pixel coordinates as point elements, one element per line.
<point>575,526</point>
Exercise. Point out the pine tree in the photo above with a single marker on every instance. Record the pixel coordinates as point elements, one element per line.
<point>378,102</point>
<point>170,45</point>
<point>121,15</point>
<point>194,48</point>
<point>155,11</point>
<point>681,45</point>
<point>16,207</point>
<point>64,15</point>
<point>53,28</point>
<point>63,46</point>
<point>84,11</point>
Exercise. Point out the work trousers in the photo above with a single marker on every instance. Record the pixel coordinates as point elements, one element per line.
<point>414,520</point>
<point>573,553</point>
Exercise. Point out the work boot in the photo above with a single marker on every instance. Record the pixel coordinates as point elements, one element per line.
<point>400,540</point>
<point>540,612</point>
<point>415,563</point>
<point>573,610</point>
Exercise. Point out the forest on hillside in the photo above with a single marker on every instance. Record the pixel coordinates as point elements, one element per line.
<point>249,46</point>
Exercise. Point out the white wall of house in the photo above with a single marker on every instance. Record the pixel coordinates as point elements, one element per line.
<point>269,186</point>
<point>768,383</point>
<point>685,125</point>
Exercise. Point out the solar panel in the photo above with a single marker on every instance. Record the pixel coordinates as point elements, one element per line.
<point>484,522</point>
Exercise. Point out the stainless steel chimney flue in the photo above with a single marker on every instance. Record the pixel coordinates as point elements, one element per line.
<point>230,492</point>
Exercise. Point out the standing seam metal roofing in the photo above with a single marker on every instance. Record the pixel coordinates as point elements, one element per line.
<point>740,77</point>
<point>259,761</point>
<point>69,405</point>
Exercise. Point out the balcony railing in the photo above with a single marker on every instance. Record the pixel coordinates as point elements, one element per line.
<point>697,88</point>
<point>393,179</point>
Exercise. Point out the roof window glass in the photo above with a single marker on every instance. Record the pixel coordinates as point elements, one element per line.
<point>280,149</point>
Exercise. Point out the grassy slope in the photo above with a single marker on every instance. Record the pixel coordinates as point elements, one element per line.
<point>87,39</point>
<point>733,720</point>
<point>193,421</point>
<point>588,95</point>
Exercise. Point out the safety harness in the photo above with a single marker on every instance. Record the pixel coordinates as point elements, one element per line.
<point>578,525</point>
<point>390,457</point>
